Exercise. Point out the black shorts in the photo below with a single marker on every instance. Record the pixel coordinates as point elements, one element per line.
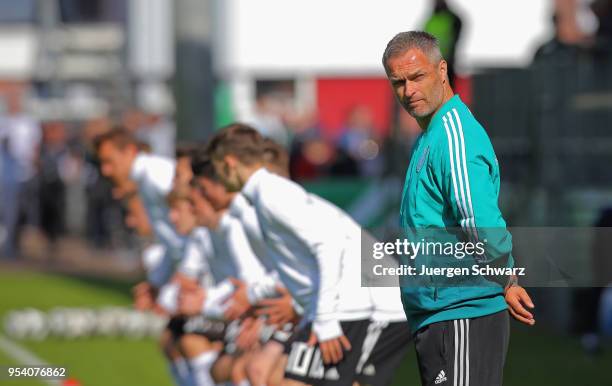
<point>383,350</point>
<point>213,330</point>
<point>305,364</point>
<point>468,352</point>
<point>175,325</point>
<point>231,334</point>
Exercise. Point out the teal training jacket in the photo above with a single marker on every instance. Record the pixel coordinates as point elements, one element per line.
<point>451,194</point>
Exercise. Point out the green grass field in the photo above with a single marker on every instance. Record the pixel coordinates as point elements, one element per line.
<point>536,357</point>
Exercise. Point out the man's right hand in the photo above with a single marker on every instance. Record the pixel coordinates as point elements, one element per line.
<point>279,311</point>
<point>332,350</point>
<point>144,296</point>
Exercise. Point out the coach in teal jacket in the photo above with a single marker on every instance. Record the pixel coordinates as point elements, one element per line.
<point>453,181</point>
<point>451,196</point>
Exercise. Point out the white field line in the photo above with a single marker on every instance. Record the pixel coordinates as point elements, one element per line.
<point>24,357</point>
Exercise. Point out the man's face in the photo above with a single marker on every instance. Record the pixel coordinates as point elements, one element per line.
<point>183,174</point>
<point>214,192</point>
<point>205,214</point>
<point>137,218</point>
<point>116,163</point>
<point>182,215</point>
<point>418,83</point>
<point>226,169</point>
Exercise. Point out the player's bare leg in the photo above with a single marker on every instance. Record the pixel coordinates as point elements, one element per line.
<point>278,373</point>
<point>291,382</point>
<point>222,369</point>
<point>239,375</point>
<point>262,365</point>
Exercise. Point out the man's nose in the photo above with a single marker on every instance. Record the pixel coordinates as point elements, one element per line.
<point>409,89</point>
<point>107,170</point>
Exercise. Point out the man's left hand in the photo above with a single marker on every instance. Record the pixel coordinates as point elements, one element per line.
<point>517,299</point>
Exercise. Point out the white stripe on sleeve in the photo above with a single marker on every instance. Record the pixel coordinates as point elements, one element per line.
<point>454,178</point>
<point>467,177</point>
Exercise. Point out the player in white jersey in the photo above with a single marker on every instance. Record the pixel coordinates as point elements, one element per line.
<point>144,293</point>
<point>199,337</point>
<point>123,162</point>
<point>272,300</point>
<point>232,266</point>
<point>316,253</point>
<point>387,341</point>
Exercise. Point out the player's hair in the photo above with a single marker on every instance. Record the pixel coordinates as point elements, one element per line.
<point>177,194</point>
<point>185,150</point>
<point>144,147</point>
<point>275,157</point>
<point>239,140</point>
<point>404,41</point>
<point>119,136</point>
<point>202,166</point>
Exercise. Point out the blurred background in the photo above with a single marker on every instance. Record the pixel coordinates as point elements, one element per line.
<point>537,74</point>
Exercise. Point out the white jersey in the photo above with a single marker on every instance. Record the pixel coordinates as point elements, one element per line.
<point>157,264</point>
<point>386,301</point>
<point>154,177</point>
<point>159,267</point>
<point>198,251</point>
<point>215,256</point>
<point>245,213</point>
<point>233,254</point>
<point>317,251</point>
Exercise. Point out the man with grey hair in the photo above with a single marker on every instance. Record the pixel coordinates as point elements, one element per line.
<point>461,326</point>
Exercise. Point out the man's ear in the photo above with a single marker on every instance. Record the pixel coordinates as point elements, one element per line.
<point>133,148</point>
<point>230,160</point>
<point>443,70</point>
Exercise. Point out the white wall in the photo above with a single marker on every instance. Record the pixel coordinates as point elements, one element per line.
<point>344,37</point>
<point>18,49</point>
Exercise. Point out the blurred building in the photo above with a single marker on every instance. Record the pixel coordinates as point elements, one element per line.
<point>325,56</point>
<point>87,58</point>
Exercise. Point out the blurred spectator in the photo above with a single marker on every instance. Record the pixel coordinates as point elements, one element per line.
<point>603,12</point>
<point>274,110</point>
<point>575,22</point>
<point>102,210</point>
<point>155,130</point>
<point>20,137</point>
<point>445,25</point>
<point>305,131</point>
<point>358,142</point>
<point>156,126</point>
<point>587,299</point>
<point>398,146</point>
<point>52,162</point>
<point>560,44</point>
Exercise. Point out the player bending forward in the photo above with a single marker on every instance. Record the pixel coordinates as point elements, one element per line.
<point>315,248</point>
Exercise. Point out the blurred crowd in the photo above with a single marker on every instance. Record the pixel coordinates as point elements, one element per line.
<point>50,177</point>
<point>51,180</point>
